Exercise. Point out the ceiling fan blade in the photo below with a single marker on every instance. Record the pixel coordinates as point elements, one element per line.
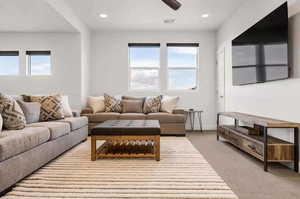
<point>174,4</point>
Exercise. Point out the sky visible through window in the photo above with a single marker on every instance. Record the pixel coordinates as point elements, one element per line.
<point>40,65</point>
<point>9,65</point>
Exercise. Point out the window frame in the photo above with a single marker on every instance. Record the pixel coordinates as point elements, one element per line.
<point>197,68</point>
<point>10,53</point>
<point>30,53</point>
<point>130,68</point>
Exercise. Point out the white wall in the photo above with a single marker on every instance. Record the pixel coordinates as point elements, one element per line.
<point>279,99</point>
<point>109,71</point>
<point>66,65</point>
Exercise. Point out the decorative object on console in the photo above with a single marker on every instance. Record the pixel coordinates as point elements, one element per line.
<point>31,111</point>
<point>112,104</point>
<point>169,103</point>
<point>12,114</point>
<point>152,104</point>
<point>96,103</point>
<point>51,107</point>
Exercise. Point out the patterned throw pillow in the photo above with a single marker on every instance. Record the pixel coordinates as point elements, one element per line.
<point>112,104</point>
<point>152,104</point>
<point>12,114</point>
<point>51,107</point>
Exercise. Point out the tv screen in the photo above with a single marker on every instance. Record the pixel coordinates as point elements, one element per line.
<point>260,54</point>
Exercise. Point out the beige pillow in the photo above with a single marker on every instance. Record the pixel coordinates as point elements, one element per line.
<point>1,123</point>
<point>51,107</point>
<point>169,103</point>
<point>66,106</point>
<point>132,106</point>
<point>12,114</point>
<point>96,103</point>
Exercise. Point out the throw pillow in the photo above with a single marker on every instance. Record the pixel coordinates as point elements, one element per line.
<point>31,111</point>
<point>169,103</point>
<point>112,104</point>
<point>66,106</point>
<point>132,106</point>
<point>96,103</point>
<point>152,104</point>
<point>12,114</point>
<point>133,98</point>
<point>1,123</point>
<point>51,107</point>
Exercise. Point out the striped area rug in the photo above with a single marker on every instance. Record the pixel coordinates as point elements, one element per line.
<point>181,173</point>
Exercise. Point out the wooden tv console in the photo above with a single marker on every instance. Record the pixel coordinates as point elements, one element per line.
<point>256,141</point>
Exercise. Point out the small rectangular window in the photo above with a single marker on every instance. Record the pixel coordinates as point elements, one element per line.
<point>144,66</point>
<point>182,66</point>
<point>38,63</point>
<point>9,63</point>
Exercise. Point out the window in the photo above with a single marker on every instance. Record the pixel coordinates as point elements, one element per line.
<point>144,66</point>
<point>182,66</point>
<point>38,63</point>
<point>9,63</point>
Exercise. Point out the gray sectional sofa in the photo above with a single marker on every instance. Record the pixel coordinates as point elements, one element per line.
<point>24,151</point>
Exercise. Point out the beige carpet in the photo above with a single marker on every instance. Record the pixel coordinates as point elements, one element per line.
<point>181,173</point>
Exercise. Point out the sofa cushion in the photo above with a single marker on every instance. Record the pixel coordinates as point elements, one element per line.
<point>57,129</point>
<point>100,117</point>
<point>76,122</point>
<point>166,117</point>
<point>14,142</point>
<point>132,116</point>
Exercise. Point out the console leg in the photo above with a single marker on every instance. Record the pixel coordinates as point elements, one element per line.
<point>265,149</point>
<point>296,149</point>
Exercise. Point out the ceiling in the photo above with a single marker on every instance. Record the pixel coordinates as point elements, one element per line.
<point>31,16</point>
<point>39,16</point>
<point>150,14</point>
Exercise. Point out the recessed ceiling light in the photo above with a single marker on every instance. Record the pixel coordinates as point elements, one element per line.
<point>169,21</point>
<point>204,15</point>
<point>103,15</point>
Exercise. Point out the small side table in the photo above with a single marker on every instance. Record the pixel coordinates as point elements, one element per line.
<point>192,114</point>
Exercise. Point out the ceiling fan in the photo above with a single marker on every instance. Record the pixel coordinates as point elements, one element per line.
<point>174,4</point>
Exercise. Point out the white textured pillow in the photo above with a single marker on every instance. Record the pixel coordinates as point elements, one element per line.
<point>1,123</point>
<point>169,103</point>
<point>66,106</point>
<point>96,103</point>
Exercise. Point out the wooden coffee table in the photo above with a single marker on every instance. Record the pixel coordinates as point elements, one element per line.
<point>126,138</point>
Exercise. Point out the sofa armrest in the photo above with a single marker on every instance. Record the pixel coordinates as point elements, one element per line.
<point>179,111</point>
<point>87,110</point>
<point>76,113</point>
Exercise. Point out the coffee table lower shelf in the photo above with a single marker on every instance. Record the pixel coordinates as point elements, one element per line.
<point>126,147</point>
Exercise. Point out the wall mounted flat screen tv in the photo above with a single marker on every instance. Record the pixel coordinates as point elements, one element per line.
<point>260,54</point>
